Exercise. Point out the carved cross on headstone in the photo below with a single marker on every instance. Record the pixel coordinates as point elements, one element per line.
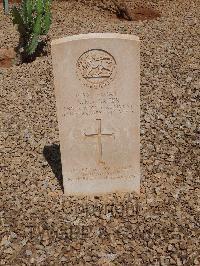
<point>99,135</point>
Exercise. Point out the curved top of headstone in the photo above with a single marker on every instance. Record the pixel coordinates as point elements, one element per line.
<point>95,36</point>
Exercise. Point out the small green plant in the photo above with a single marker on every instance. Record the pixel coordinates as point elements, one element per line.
<point>33,20</point>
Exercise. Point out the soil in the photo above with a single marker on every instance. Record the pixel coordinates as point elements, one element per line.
<point>7,57</point>
<point>144,14</point>
<point>39,225</point>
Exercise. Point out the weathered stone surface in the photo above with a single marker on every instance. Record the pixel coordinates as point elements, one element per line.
<point>97,92</point>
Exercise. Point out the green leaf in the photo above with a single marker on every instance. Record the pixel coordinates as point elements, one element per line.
<point>33,19</point>
<point>39,6</point>
<point>17,17</point>
<point>23,9</point>
<point>29,9</point>
<point>37,27</point>
<point>32,45</point>
<point>47,19</point>
<point>18,20</point>
<point>46,23</point>
<point>46,4</point>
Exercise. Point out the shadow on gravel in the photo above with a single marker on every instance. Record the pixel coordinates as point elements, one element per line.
<point>53,156</point>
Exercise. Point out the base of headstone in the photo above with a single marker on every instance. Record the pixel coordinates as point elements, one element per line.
<point>101,187</point>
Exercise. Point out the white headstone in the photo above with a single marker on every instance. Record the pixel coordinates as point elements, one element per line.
<point>97,84</point>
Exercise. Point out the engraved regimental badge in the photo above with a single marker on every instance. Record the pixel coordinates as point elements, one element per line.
<point>96,68</point>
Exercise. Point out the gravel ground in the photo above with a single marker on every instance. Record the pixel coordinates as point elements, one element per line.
<point>39,226</point>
